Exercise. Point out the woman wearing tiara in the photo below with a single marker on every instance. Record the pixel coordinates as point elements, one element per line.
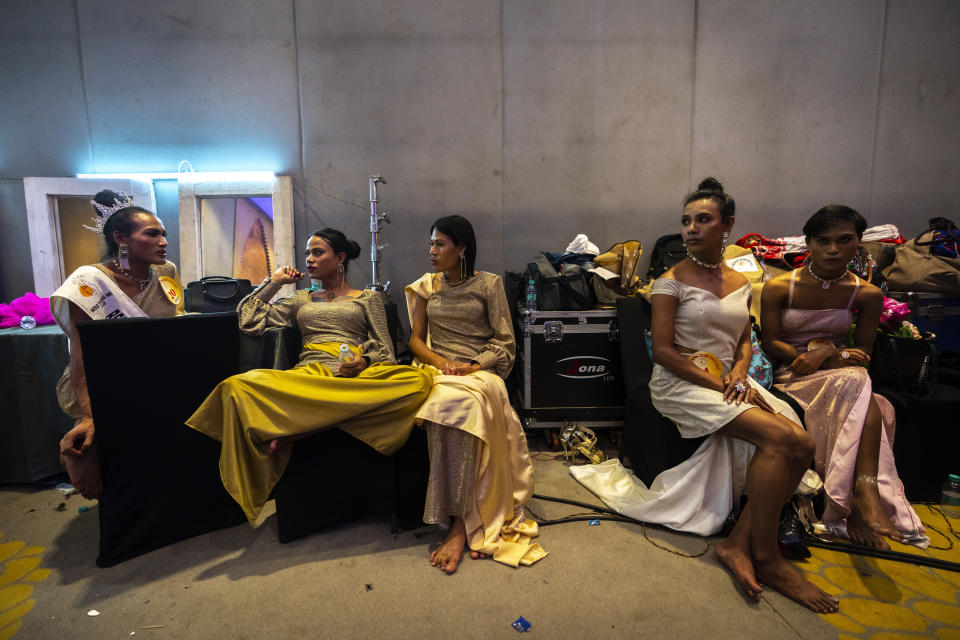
<point>480,471</point>
<point>807,315</point>
<point>255,415</point>
<point>133,281</point>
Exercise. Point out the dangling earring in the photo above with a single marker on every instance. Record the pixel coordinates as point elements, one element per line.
<point>723,242</point>
<point>339,276</point>
<point>463,268</point>
<point>123,257</point>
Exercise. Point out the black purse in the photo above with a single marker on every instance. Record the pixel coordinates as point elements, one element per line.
<point>215,293</point>
<point>904,364</point>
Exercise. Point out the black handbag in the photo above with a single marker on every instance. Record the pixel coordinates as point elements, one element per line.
<point>215,293</point>
<point>904,364</point>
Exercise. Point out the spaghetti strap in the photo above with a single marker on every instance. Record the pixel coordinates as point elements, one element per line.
<point>856,288</point>
<point>793,278</point>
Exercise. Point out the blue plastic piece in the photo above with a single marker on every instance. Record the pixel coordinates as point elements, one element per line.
<point>593,523</point>
<point>521,625</point>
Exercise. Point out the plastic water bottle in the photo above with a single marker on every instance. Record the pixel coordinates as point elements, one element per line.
<point>28,322</point>
<point>314,284</point>
<point>345,354</point>
<point>531,300</point>
<point>950,498</point>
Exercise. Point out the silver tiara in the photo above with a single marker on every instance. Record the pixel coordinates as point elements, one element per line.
<point>104,212</point>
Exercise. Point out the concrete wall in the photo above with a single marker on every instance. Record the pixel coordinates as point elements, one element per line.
<point>537,119</point>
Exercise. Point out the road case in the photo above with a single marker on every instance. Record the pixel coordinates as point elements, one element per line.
<point>569,369</point>
<point>936,313</point>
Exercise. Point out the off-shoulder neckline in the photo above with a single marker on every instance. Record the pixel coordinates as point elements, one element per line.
<point>746,284</point>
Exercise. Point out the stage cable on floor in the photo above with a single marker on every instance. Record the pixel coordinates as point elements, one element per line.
<point>602,513</point>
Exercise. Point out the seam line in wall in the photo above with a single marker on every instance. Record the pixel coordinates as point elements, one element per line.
<point>296,65</point>
<point>503,168</point>
<point>876,109</point>
<point>83,85</point>
<point>693,93</point>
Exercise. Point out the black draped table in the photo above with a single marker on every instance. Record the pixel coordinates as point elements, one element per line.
<point>32,424</point>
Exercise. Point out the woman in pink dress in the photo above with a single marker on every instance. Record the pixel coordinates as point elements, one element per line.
<point>806,318</point>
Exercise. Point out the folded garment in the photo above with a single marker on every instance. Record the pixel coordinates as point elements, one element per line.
<point>582,244</point>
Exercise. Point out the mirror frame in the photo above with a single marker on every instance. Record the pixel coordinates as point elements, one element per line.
<point>44,230</point>
<point>191,190</point>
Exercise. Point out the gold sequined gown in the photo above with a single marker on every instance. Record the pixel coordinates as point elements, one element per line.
<point>151,301</point>
<point>246,411</point>
<point>480,469</point>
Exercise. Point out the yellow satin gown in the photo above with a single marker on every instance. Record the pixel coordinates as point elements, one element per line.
<point>246,411</point>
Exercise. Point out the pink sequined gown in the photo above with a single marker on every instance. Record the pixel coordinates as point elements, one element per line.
<point>835,402</point>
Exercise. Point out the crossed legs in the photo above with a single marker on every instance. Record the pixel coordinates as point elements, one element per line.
<point>784,452</point>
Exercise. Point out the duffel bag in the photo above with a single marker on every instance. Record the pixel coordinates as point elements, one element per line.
<point>916,267</point>
<point>569,290</point>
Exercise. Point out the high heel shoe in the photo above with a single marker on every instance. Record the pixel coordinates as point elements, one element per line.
<point>583,441</point>
<point>790,535</point>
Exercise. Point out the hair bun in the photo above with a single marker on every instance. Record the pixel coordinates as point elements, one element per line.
<point>353,249</point>
<point>710,184</point>
<point>107,198</point>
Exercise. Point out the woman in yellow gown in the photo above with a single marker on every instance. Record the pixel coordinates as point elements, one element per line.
<point>369,397</point>
<point>480,471</point>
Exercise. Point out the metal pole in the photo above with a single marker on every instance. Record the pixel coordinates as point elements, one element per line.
<point>375,246</point>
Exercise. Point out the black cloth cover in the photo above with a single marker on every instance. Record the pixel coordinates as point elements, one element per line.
<point>33,424</point>
<point>651,442</point>
<point>161,479</point>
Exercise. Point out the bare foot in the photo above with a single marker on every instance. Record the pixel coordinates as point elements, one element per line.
<point>448,555</point>
<point>479,555</point>
<point>867,521</point>
<point>737,561</point>
<point>786,579</point>
<point>862,533</point>
<point>84,472</point>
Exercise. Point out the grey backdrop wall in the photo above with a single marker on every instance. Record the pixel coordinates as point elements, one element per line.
<point>537,119</point>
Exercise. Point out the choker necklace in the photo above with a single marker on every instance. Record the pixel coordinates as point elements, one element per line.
<point>826,283</point>
<point>141,282</point>
<point>706,265</point>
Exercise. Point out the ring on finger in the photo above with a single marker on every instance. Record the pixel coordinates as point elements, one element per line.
<point>740,387</point>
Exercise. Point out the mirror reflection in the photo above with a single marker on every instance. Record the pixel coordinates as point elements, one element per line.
<point>237,237</point>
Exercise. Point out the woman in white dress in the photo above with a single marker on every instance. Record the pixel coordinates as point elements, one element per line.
<point>701,307</point>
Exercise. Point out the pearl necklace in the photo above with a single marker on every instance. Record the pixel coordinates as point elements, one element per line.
<point>706,265</point>
<point>826,283</point>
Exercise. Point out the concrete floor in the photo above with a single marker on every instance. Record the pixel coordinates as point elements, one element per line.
<point>359,580</point>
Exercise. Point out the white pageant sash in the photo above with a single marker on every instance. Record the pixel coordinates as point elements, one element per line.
<point>96,294</point>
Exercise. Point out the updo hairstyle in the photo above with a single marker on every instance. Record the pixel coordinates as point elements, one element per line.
<point>121,221</point>
<point>711,189</point>
<point>339,243</point>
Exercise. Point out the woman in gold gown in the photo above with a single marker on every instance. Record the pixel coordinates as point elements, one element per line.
<point>480,471</point>
<point>255,414</point>
<point>133,281</point>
